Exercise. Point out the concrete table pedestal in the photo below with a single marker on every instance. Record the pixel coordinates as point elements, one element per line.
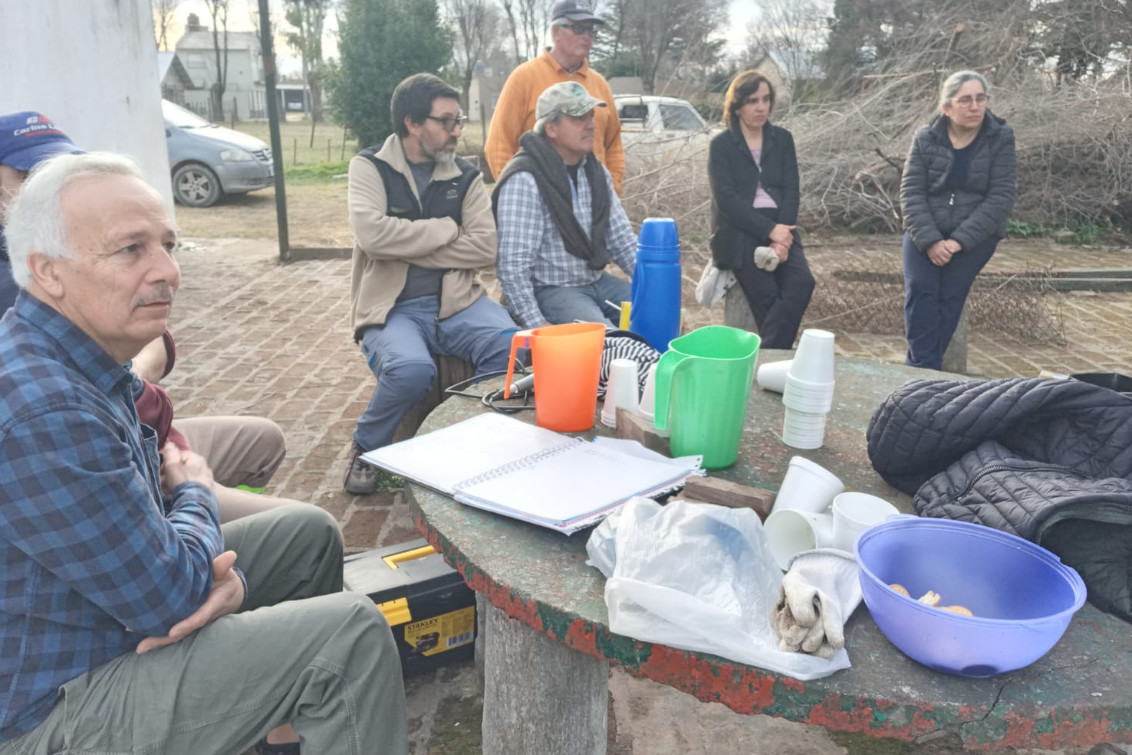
<point>559,705</point>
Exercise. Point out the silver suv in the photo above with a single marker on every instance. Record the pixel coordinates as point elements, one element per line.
<point>209,161</point>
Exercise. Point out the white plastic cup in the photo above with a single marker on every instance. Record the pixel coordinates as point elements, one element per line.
<point>803,430</point>
<point>813,361</point>
<point>789,531</point>
<point>807,397</point>
<point>620,390</point>
<point>807,487</point>
<point>853,513</point>
<point>772,376</point>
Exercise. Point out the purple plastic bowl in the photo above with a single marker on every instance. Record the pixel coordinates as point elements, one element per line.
<point>1021,595</point>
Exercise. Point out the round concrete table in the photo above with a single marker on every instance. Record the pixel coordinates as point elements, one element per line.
<point>547,643</point>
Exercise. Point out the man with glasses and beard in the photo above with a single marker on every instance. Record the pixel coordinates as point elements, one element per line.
<point>572,36</point>
<point>423,227</point>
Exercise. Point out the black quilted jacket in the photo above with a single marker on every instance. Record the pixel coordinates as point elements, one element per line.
<point>1047,460</point>
<point>973,213</point>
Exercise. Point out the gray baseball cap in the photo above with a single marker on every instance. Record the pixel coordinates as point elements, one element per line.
<point>574,11</point>
<point>564,98</point>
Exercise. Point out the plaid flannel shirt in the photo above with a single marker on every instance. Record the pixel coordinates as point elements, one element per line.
<point>532,253</point>
<point>92,559</point>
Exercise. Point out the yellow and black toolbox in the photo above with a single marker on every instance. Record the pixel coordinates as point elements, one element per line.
<point>431,610</point>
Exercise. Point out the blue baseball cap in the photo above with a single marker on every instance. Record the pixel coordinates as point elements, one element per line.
<point>28,138</point>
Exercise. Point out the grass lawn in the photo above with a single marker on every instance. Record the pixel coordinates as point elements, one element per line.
<point>315,185</point>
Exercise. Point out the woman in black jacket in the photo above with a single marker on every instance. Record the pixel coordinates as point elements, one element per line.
<point>754,189</point>
<point>956,195</point>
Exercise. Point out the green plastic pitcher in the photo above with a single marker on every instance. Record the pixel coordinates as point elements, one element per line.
<point>703,383</point>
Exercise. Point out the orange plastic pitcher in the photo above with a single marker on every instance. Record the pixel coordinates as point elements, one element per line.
<point>566,360</point>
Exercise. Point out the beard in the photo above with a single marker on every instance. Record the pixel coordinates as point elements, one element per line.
<point>444,155</point>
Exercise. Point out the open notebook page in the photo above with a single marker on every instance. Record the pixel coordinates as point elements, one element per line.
<point>569,484</point>
<point>446,457</point>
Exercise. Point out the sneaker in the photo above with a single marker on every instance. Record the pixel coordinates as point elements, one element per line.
<point>361,478</point>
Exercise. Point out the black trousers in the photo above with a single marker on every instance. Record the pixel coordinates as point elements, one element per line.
<point>778,300</point>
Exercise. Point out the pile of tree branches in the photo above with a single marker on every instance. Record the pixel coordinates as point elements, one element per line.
<point>1074,148</point>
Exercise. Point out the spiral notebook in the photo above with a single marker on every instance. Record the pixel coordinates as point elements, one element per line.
<point>525,472</point>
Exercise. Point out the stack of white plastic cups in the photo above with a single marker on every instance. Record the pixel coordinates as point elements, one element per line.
<point>808,394</point>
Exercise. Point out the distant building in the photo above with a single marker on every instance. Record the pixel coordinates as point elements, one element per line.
<point>483,95</point>
<point>175,80</point>
<point>789,69</point>
<point>626,85</point>
<point>245,95</point>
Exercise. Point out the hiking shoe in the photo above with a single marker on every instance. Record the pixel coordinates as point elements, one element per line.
<point>361,478</point>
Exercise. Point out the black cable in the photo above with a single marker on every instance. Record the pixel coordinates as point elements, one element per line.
<point>489,399</point>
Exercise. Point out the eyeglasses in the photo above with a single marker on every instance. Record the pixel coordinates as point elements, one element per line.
<point>448,122</point>
<point>967,100</point>
<point>580,29</point>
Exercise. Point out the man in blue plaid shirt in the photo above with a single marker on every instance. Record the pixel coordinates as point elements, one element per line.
<point>124,624</point>
<point>560,221</point>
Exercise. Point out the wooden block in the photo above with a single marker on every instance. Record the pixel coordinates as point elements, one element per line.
<point>633,426</point>
<point>725,493</point>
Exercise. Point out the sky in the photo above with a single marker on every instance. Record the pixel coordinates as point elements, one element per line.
<point>241,17</point>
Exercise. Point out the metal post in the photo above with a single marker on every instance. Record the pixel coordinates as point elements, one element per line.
<point>265,44</point>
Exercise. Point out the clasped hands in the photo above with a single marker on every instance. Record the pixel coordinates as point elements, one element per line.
<point>227,593</point>
<point>941,252</point>
<point>781,239</point>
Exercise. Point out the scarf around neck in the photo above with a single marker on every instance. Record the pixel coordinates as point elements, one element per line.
<point>537,157</point>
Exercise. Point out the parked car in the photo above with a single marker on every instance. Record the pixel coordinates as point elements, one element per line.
<point>654,122</point>
<point>208,161</point>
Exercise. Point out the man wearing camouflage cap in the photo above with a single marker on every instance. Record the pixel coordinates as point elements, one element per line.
<point>559,219</point>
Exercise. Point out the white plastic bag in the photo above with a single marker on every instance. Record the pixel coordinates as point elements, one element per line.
<point>697,577</point>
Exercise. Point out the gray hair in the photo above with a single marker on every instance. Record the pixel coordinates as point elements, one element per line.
<point>35,220</point>
<point>953,82</point>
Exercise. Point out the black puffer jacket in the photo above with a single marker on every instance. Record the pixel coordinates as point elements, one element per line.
<point>977,211</point>
<point>1047,460</point>
<point>737,228</point>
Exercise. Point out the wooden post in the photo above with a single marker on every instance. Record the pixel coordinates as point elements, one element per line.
<point>955,358</point>
<point>737,312</point>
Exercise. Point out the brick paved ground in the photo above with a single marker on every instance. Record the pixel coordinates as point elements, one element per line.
<point>256,337</point>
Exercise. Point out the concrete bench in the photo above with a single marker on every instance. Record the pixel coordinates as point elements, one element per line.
<point>449,371</point>
<point>737,314</point>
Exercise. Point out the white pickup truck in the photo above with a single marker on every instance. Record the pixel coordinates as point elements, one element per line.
<point>652,122</point>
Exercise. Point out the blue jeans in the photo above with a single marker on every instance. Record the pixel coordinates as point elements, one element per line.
<point>561,304</point>
<point>399,354</point>
<point>934,298</point>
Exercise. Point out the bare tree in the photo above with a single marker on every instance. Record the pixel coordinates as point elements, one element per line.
<point>218,10</point>
<point>509,9</point>
<point>793,34</point>
<point>308,18</point>
<point>164,13</point>
<point>656,30</point>
<point>477,24</point>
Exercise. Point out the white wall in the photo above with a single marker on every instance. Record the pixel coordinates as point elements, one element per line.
<point>90,66</point>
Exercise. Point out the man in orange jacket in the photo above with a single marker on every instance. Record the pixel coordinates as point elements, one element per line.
<point>572,36</point>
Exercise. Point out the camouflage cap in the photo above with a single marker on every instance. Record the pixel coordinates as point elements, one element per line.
<point>564,98</point>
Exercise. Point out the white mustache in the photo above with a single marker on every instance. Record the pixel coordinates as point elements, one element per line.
<point>161,295</point>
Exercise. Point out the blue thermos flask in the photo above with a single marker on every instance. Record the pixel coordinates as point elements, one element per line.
<point>655,310</point>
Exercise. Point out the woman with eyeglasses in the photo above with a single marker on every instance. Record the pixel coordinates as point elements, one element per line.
<point>956,195</point>
<point>754,190</point>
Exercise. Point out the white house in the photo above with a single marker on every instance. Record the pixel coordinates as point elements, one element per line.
<point>244,89</point>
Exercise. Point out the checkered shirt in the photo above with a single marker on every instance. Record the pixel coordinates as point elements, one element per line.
<point>532,253</point>
<point>92,559</point>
